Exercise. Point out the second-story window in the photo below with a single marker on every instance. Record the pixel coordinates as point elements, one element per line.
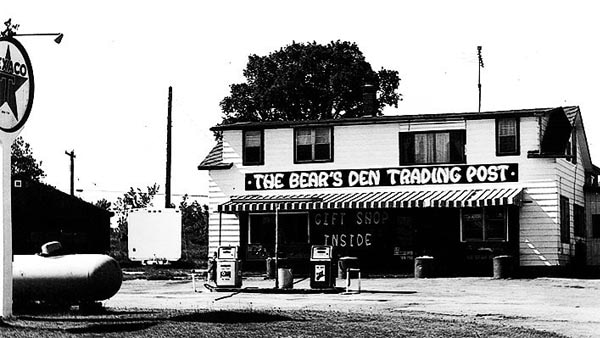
<point>432,147</point>
<point>507,136</point>
<point>313,145</point>
<point>253,147</point>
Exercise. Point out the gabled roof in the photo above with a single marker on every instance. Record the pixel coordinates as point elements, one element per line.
<point>569,111</point>
<point>583,143</point>
<point>214,159</point>
<point>30,193</point>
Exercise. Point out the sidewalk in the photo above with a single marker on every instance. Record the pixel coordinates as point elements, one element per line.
<point>567,306</point>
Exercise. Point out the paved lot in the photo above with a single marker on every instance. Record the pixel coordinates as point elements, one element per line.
<point>566,306</point>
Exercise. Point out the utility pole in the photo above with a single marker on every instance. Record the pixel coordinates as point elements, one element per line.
<point>479,75</point>
<point>168,174</point>
<point>72,156</point>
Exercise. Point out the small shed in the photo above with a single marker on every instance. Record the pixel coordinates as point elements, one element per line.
<point>41,213</point>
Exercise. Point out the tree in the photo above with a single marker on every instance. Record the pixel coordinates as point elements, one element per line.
<point>134,198</point>
<point>194,220</point>
<point>103,204</point>
<point>23,164</point>
<point>308,81</point>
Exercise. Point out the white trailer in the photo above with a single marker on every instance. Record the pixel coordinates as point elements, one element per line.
<point>154,235</point>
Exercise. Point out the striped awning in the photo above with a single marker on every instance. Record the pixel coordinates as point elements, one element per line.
<point>376,200</point>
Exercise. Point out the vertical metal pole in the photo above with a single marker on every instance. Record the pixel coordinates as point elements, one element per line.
<point>479,65</point>
<point>277,245</point>
<point>168,174</point>
<point>6,284</point>
<point>220,225</point>
<point>479,87</point>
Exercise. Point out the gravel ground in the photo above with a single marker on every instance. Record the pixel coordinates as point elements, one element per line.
<point>162,323</point>
<point>402,307</point>
<point>566,306</point>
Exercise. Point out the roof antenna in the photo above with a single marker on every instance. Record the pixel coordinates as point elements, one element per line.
<point>479,75</point>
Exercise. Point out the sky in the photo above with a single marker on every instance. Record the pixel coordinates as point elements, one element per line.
<point>103,91</point>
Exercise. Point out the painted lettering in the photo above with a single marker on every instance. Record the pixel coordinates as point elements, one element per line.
<point>337,179</point>
<point>425,175</point>
<point>351,240</point>
<point>257,180</point>
<point>323,177</point>
<point>503,168</point>
<point>294,180</point>
<point>392,174</point>
<point>405,177</point>
<point>443,174</point>
<point>455,175</point>
<point>343,240</point>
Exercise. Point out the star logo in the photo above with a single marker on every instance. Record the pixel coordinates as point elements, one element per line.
<point>10,82</point>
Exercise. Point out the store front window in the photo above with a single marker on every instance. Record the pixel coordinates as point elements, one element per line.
<point>293,234</point>
<point>483,224</point>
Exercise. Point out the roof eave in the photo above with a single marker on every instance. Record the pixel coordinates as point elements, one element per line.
<point>221,166</point>
<point>382,119</point>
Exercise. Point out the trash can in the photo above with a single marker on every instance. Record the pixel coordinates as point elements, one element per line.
<point>322,275</point>
<point>345,263</point>
<point>229,272</point>
<point>503,266</point>
<point>424,267</point>
<point>270,271</point>
<point>285,278</point>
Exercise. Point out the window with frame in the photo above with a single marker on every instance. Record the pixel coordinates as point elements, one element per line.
<point>565,220</point>
<point>579,219</point>
<point>432,147</point>
<point>313,144</point>
<point>507,136</point>
<point>596,225</point>
<point>484,224</point>
<point>253,147</point>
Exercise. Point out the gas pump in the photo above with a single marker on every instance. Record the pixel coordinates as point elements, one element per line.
<point>322,275</point>
<point>229,272</point>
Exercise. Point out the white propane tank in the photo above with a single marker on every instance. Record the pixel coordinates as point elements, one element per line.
<point>66,278</point>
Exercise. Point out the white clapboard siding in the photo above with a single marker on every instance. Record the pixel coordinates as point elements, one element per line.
<point>538,228</point>
<point>229,233</point>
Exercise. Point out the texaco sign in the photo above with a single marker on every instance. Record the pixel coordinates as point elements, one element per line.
<point>16,85</point>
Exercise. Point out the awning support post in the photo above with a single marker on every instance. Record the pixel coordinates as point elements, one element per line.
<point>220,225</point>
<point>276,245</point>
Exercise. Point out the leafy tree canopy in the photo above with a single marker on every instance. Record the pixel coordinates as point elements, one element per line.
<point>23,164</point>
<point>134,198</point>
<point>308,81</point>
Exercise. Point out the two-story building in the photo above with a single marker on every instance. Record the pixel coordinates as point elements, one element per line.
<point>461,187</point>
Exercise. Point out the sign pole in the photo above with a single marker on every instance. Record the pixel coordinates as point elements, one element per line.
<point>6,285</point>
<point>16,86</point>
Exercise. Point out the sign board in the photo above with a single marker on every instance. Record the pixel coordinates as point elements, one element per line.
<point>16,98</point>
<point>16,85</point>
<point>399,176</point>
